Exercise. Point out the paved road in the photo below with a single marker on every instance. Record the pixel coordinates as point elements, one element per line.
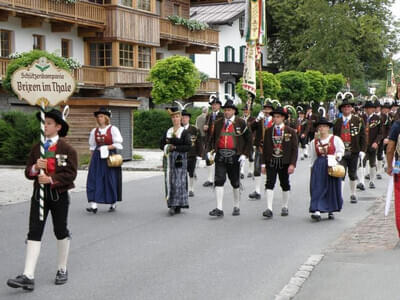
<point>139,252</point>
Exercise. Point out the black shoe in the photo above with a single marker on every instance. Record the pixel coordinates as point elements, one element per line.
<point>111,209</point>
<point>268,214</point>
<point>21,281</point>
<point>216,213</point>
<point>284,212</point>
<point>331,216</point>
<point>177,210</point>
<point>366,176</point>
<point>171,211</point>
<point>236,211</point>
<point>249,175</point>
<point>207,183</point>
<point>316,217</point>
<point>61,277</point>
<point>92,210</point>
<point>371,185</point>
<point>191,194</point>
<point>360,186</point>
<point>378,176</point>
<point>353,199</point>
<point>305,155</point>
<point>242,176</point>
<point>255,195</point>
<point>302,158</point>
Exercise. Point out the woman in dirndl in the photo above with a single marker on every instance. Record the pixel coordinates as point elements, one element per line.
<point>325,190</point>
<point>104,183</point>
<point>176,143</point>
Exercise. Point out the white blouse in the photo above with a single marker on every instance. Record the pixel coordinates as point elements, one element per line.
<point>115,133</point>
<point>337,141</point>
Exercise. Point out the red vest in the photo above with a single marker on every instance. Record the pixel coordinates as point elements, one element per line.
<point>103,139</point>
<point>226,139</point>
<point>345,133</point>
<point>325,149</point>
<point>51,159</point>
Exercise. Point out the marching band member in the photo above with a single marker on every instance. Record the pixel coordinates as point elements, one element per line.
<point>279,158</point>
<point>249,120</point>
<point>230,143</point>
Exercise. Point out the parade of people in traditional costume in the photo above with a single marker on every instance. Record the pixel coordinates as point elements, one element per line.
<point>325,190</point>
<point>249,120</point>
<point>176,144</point>
<point>311,117</point>
<point>229,147</point>
<point>302,133</point>
<point>196,149</point>
<point>263,121</point>
<point>211,118</point>
<point>373,133</point>
<point>280,152</point>
<point>60,170</point>
<point>351,129</point>
<point>104,182</point>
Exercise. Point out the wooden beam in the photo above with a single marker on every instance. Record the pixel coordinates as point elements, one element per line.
<point>86,32</point>
<point>180,46</point>
<point>4,15</point>
<point>198,50</point>
<point>103,102</point>
<point>30,22</point>
<point>137,92</point>
<point>164,43</point>
<point>61,27</point>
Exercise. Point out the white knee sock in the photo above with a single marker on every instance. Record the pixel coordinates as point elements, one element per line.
<point>191,183</point>
<point>93,205</point>
<point>362,177</point>
<point>32,255</point>
<point>270,198</point>
<point>242,167</point>
<point>306,150</point>
<point>211,173</point>
<point>219,193</point>
<point>236,197</point>
<point>372,174</point>
<point>63,251</point>
<point>379,167</point>
<point>257,183</point>
<point>285,198</point>
<point>251,167</point>
<point>353,184</point>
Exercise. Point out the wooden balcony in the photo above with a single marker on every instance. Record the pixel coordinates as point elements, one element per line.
<point>194,41</point>
<point>3,66</point>
<point>208,87</point>
<point>90,76</point>
<point>81,13</point>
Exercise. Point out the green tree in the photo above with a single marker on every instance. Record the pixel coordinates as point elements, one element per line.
<point>271,87</point>
<point>351,37</point>
<point>173,78</point>
<point>294,87</point>
<point>359,86</point>
<point>317,82</point>
<point>335,83</point>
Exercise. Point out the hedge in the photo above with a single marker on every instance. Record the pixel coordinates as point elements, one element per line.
<point>150,125</point>
<point>18,133</point>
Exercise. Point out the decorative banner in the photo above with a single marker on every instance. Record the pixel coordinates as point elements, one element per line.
<point>42,80</point>
<point>249,70</point>
<point>262,34</point>
<point>391,83</point>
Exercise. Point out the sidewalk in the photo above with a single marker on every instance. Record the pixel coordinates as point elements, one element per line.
<point>15,188</point>
<point>363,263</point>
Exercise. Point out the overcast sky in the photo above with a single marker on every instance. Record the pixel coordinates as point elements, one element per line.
<point>396,13</point>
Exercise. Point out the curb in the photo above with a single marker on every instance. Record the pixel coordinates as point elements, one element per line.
<point>290,290</point>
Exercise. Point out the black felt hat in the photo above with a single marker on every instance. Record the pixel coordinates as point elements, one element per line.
<point>173,111</point>
<point>186,113</point>
<point>103,111</point>
<point>323,121</point>
<point>369,104</point>
<point>229,104</point>
<point>281,111</point>
<point>214,100</point>
<point>56,115</point>
<point>346,102</point>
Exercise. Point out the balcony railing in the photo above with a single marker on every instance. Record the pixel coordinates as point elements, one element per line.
<point>209,86</point>
<point>170,31</point>
<point>92,76</point>
<point>80,12</point>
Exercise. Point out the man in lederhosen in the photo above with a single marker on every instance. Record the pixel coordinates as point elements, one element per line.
<point>231,144</point>
<point>261,124</point>
<point>59,172</point>
<point>373,133</point>
<point>195,151</point>
<point>249,120</point>
<point>279,158</point>
<point>387,122</point>
<point>213,116</point>
<point>302,133</point>
<point>351,129</point>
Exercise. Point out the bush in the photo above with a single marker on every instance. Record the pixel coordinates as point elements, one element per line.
<point>18,133</point>
<point>149,126</point>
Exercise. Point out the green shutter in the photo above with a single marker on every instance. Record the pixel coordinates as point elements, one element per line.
<point>233,90</point>
<point>233,54</point>
<point>226,87</point>
<point>226,53</point>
